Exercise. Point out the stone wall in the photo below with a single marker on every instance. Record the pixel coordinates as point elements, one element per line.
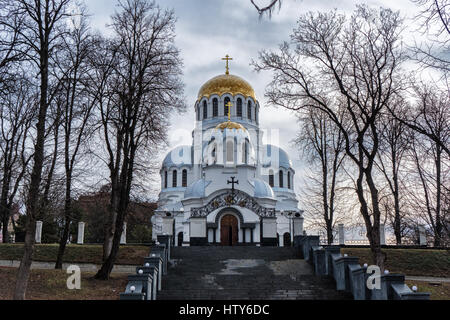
<point>362,282</point>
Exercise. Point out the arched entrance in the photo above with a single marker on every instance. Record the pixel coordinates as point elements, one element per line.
<point>229,230</point>
<point>287,239</point>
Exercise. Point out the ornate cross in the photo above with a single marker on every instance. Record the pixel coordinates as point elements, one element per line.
<point>227,58</point>
<point>229,105</point>
<point>233,182</point>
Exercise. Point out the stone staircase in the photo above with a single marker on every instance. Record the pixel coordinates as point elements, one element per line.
<point>242,273</point>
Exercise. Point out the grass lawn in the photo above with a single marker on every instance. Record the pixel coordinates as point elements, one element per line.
<point>439,291</point>
<point>131,255</point>
<point>411,262</point>
<point>51,285</point>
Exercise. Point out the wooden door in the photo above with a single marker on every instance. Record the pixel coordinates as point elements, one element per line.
<point>229,230</point>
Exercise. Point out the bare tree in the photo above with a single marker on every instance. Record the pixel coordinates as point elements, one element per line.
<point>76,111</point>
<point>391,156</point>
<point>355,62</point>
<point>143,87</point>
<point>324,146</point>
<point>269,8</point>
<point>16,117</point>
<point>10,26</point>
<point>431,163</point>
<point>39,33</point>
<point>434,20</point>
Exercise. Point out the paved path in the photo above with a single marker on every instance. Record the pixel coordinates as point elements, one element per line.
<point>86,267</point>
<point>242,273</point>
<point>427,279</point>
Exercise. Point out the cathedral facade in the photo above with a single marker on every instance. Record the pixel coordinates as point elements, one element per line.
<point>227,188</point>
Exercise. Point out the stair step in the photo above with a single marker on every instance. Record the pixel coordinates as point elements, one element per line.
<point>240,273</point>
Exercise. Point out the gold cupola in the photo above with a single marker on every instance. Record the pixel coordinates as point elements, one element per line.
<point>226,83</point>
<point>230,124</point>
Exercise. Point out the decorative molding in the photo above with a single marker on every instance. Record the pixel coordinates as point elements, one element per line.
<point>227,199</point>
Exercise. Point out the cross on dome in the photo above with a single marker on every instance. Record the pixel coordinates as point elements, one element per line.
<point>227,58</point>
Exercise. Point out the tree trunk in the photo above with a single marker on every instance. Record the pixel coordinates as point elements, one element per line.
<point>25,264</point>
<point>67,219</point>
<point>110,227</point>
<point>329,232</point>
<point>373,229</point>
<point>107,266</point>
<point>62,243</point>
<point>438,231</point>
<point>36,175</point>
<point>5,224</point>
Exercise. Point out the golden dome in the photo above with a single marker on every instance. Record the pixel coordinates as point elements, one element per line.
<point>230,125</point>
<point>226,83</point>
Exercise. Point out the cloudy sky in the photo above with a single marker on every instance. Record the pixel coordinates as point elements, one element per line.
<point>207,30</point>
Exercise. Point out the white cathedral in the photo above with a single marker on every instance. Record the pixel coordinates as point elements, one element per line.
<point>227,188</point>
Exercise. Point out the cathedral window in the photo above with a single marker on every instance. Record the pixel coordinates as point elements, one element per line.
<point>165,179</point>
<point>205,110</point>
<point>271,179</point>
<point>230,151</point>
<point>249,110</point>
<point>245,152</point>
<point>215,107</point>
<point>184,178</point>
<point>225,107</point>
<point>289,179</point>
<point>281,179</point>
<point>198,113</point>
<point>256,115</point>
<point>174,179</point>
<point>239,107</point>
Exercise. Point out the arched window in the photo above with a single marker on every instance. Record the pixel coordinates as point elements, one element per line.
<point>271,180</point>
<point>165,179</point>
<point>198,113</point>
<point>215,107</point>
<point>256,115</point>
<point>205,110</point>
<point>245,152</point>
<point>289,179</point>
<point>249,110</point>
<point>174,178</point>
<point>184,178</point>
<point>214,152</point>
<point>225,108</point>
<point>281,179</point>
<point>239,107</point>
<point>230,151</point>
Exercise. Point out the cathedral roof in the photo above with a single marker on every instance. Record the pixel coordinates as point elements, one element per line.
<point>276,157</point>
<point>262,189</point>
<point>197,189</point>
<point>178,157</point>
<point>226,83</point>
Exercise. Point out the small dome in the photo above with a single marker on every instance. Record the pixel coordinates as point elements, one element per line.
<point>178,157</point>
<point>230,125</point>
<point>276,157</point>
<point>262,189</point>
<point>197,189</point>
<point>226,83</point>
